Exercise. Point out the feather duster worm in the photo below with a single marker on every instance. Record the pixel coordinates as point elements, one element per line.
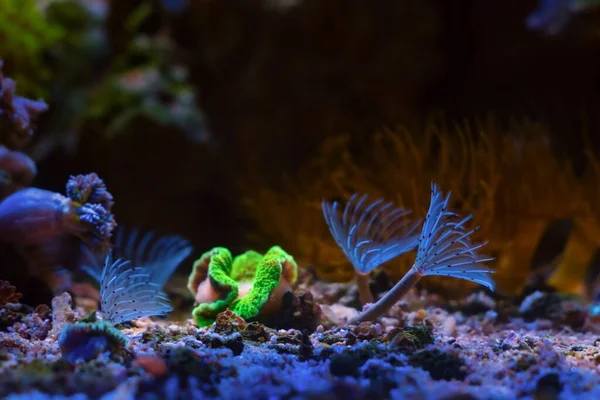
<point>160,255</point>
<point>443,249</point>
<point>129,292</point>
<point>370,234</point>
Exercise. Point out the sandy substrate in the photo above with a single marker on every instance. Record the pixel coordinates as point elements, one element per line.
<point>547,347</point>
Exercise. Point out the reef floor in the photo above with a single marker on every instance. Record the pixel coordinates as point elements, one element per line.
<point>545,347</point>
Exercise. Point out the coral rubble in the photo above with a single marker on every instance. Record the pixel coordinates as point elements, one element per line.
<point>430,353</point>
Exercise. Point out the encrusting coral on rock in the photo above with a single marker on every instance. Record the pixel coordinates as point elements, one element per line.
<point>8,293</point>
<point>85,341</point>
<point>249,284</point>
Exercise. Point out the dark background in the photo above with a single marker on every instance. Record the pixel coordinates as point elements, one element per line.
<point>274,82</point>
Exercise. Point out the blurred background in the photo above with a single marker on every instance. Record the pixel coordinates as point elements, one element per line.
<point>227,121</point>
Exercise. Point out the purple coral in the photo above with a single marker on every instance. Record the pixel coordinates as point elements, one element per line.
<point>20,111</point>
<point>19,170</point>
<point>33,216</point>
<point>89,188</point>
<point>94,221</point>
<point>92,202</point>
<point>552,16</point>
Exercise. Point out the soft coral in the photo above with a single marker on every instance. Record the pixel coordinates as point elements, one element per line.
<point>8,293</point>
<point>20,111</point>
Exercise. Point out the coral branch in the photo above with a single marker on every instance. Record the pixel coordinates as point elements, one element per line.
<point>89,189</point>
<point>21,112</point>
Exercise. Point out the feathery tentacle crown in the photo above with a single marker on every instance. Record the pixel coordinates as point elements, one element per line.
<point>444,246</point>
<point>128,293</point>
<point>370,233</point>
<point>161,255</point>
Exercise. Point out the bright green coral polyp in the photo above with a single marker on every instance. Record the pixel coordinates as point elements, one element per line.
<point>222,275</point>
<point>219,262</point>
<point>268,274</point>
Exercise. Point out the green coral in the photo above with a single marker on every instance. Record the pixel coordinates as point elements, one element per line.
<point>219,262</point>
<point>266,279</point>
<point>224,274</point>
<point>27,36</point>
<point>244,265</point>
